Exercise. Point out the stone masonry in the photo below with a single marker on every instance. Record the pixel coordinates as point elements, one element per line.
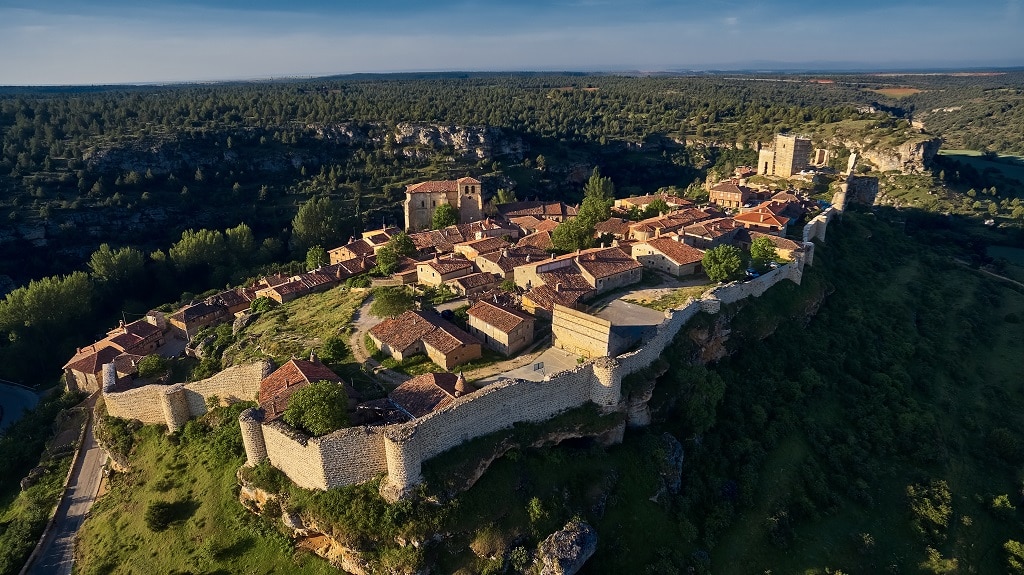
<point>173,405</point>
<point>357,454</point>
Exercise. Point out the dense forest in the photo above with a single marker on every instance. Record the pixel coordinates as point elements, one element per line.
<point>119,199</point>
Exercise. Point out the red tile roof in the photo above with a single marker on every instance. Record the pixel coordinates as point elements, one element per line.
<point>762,217</point>
<point>501,318</point>
<point>614,226</point>
<point>539,240</point>
<point>439,185</point>
<point>680,253</point>
<point>277,388</point>
<point>514,257</point>
<point>606,262</point>
<point>428,392</point>
<point>711,228</point>
<point>536,208</point>
<point>445,266</point>
<point>92,359</point>
<point>403,331</point>
<point>485,245</point>
<point>476,280</point>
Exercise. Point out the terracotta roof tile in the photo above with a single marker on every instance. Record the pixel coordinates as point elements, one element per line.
<point>425,393</point>
<point>445,266</point>
<point>476,280</point>
<point>539,240</point>
<point>514,257</point>
<point>403,331</point>
<point>501,318</point>
<point>606,262</point>
<point>277,388</point>
<point>678,252</point>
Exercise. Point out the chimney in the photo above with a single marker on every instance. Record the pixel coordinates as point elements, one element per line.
<point>615,243</point>
<point>461,387</point>
<point>528,258</point>
<point>479,235</point>
<point>312,356</point>
<point>558,287</point>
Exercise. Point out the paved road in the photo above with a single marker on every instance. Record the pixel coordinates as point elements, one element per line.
<point>58,547</point>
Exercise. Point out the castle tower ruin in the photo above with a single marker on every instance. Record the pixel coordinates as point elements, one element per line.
<point>255,445</point>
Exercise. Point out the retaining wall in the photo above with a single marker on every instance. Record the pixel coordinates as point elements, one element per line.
<point>173,405</point>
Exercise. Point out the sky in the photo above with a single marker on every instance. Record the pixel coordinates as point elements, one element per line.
<point>151,41</point>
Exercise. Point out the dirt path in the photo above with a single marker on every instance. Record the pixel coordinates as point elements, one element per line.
<point>995,275</point>
<point>362,321</point>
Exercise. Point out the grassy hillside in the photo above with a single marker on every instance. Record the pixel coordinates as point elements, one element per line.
<point>881,433</point>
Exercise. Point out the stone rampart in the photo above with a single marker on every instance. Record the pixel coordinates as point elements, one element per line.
<point>173,405</point>
<point>736,291</point>
<point>355,455</point>
<point>352,455</point>
<point>815,229</point>
<point>142,403</point>
<point>635,361</point>
<point>295,454</point>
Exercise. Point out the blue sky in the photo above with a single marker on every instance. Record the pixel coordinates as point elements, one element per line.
<point>117,41</point>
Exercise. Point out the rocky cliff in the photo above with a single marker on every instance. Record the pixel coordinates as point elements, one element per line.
<point>914,156</point>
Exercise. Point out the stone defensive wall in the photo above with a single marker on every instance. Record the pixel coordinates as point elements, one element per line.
<point>173,405</point>
<point>815,229</point>
<point>357,454</point>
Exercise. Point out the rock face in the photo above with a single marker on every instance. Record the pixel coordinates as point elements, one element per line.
<point>908,158</point>
<point>564,552</point>
<point>672,465</point>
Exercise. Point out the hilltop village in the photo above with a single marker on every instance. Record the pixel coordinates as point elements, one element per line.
<point>520,295</point>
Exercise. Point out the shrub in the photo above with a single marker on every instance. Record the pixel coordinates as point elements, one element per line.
<point>261,304</point>
<point>319,408</point>
<point>333,349</point>
<point>152,366</point>
<point>159,515</point>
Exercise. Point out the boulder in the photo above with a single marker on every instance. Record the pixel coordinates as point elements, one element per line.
<point>564,552</point>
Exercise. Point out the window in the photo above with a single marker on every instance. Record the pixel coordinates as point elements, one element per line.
<point>423,203</point>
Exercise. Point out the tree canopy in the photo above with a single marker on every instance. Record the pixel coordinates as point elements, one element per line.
<point>316,257</point>
<point>318,222</point>
<point>391,301</point>
<point>318,409</point>
<point>578,233</point>
<point>117,267</point>
<point>762,250</point>
<point>445,215</point>
<point>722,263</point>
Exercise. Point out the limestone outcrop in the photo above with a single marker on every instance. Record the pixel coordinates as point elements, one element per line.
<point>565,551</point>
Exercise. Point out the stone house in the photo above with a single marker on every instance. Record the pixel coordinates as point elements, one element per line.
<point>422,200</point>
<point>474,284</point>
<point>608,268</point>
<point>442,270</point>
<point>354,249</point>
<point>555,211</point>
<point>618,228</point>
<point>84,371</point>
<point>186,322</point>
<point>503,263</point>
<point>475,248</point>
<point>502,329</point>
<point>566,287</point>
<point>277,388</point>
<point>236,300</point>
<point>766,218</point>
<point>641,202</point>
<point>663,225</point>
<point>730,194</point>
<point>416,332</point>
<point>709,233</point>
<point>429,392</point>
<point>669,255</point>
<point>786,249</point>
<point>542,240</point>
